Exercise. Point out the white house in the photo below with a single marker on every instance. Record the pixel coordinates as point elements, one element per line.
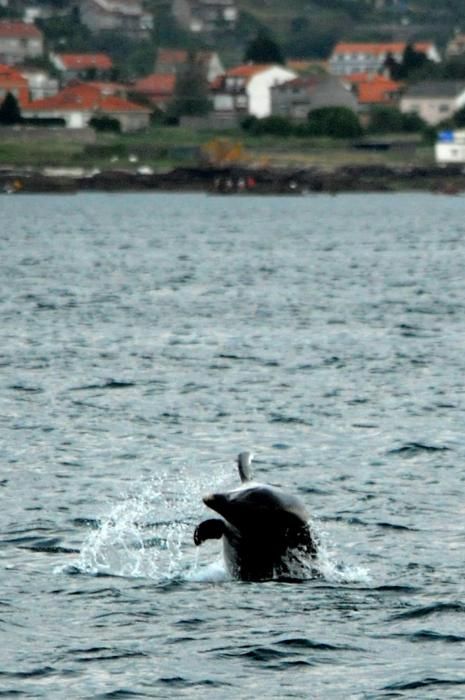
<point>434,100</point>
<point>19,42</point>
<point>77,104</point>
<point>246,89</point>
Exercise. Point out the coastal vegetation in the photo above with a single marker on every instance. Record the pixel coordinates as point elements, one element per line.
<point>164,147</point>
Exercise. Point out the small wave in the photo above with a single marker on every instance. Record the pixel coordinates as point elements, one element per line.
<point>109,384</point>
<point>425,683</point>
<point>396,526</point>
<point>120,695</point>
<point>431,636</point>
<point>427,610</point>
<point>26,389</point>
<point>179,681</point>
<point>304,644</point>
<point>102,654</point>
<point>284,653</point>
<point>411,449</point>
<point>291,420</point>
<point>33,673</point>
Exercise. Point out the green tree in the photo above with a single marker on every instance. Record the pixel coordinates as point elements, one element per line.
<point>191,91</point>
<point>454,68</point>
<point>459,118</point>
<point>275,125</point>
<point>336,122</point>
<point>105,123</point>
<point>10,112</point>
<point>263,49</point>
<point>412,60</point>
<point>385,120</point>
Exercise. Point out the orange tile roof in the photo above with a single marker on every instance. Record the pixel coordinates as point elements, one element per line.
<point>379,48</point>
<point>23,30</point>
<point>377,90</point>
<point>85,98</point>
<point>85,61</point>
<point>156,84</point>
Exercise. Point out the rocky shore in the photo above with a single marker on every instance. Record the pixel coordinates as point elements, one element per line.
<point>236,180</point>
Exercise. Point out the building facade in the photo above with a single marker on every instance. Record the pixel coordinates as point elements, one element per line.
<point>76,105</point>
<point>246,89</point>
<point>434,100</point>
<point>294,99</point>
<point>82,66</point>
<point>20,41</point>
<point>348,58</point>
<point>126,16</point>
<point>174,60</point>
<point>205,16</point>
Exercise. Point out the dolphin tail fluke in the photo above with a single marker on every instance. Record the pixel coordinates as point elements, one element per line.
<point>244,460</point>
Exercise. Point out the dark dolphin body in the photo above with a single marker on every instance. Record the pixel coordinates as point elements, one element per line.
<point>265,530</point>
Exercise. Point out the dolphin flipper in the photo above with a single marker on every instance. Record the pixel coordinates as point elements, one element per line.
<point>211,529</point>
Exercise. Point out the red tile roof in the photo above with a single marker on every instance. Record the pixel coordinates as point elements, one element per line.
<point>22,30</point>
<point>85,61</point>
<point>11,79</point>
<point>106,87</point>
<point>248,70</point>
<point>156,84</point>
<point>10,73</point>
<point>85,98</point>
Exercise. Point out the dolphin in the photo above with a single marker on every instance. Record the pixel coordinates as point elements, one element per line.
<point>265,530</point>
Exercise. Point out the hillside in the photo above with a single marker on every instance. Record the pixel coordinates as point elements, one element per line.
<point>302,28</point>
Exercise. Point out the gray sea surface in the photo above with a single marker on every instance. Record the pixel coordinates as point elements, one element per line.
<point>146,339</point>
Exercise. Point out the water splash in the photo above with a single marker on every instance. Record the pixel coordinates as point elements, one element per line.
<point>149,533</point>
<point>331,568</point>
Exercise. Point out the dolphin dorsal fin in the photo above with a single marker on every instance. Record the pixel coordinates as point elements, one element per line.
<point>244,460</point>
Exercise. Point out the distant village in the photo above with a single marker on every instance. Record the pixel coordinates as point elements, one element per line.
<point>74,90</point>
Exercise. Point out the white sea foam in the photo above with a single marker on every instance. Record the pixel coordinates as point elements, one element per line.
<point>331,568</point>
<point>149,533</point>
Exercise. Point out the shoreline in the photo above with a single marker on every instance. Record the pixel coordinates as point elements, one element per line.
<point>448,179</point>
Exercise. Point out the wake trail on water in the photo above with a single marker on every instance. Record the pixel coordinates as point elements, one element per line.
<point>148,534</point>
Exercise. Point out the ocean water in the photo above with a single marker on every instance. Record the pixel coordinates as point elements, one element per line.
<point>146,339</point>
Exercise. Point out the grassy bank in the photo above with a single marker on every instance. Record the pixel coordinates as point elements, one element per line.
<point>165,147</point>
